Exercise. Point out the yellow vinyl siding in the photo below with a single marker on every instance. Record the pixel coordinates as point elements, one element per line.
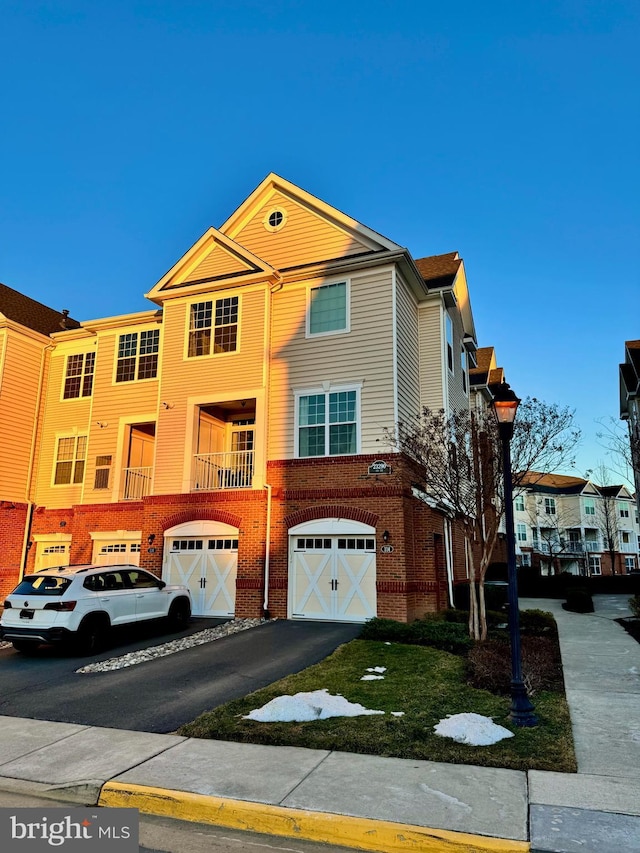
<point>408,357</point>
<point>98,417</point>
<point>218,262</point>
<point>431,356</point>
<point>305,238</point>
<point>22,360</point>
<point>207,379</point>
<point>363,355</point>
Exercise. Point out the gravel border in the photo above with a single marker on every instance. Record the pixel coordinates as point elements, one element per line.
<point>234,626</point>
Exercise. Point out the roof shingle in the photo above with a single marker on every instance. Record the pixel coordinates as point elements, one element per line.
<point>34,315</point>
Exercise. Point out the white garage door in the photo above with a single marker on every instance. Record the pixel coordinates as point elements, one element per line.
<point>116,553</point>
<point>207,564</point>
<point>50,555</point>
<point>333,577</point>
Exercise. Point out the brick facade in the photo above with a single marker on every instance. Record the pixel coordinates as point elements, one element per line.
<point>411,580</point>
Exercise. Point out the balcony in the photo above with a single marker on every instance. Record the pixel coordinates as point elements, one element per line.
<point>137,483</point>
<point>230,470</point>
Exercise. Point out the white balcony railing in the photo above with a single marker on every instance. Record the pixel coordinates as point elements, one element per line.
<point>231,470</point>
<point>137,483</point>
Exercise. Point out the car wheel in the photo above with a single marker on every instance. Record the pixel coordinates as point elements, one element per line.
<point>27,647</point>
<point>179,615</point>
<point>92,636</point>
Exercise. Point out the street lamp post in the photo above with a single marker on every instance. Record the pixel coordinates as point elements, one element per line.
<point>505,406</point>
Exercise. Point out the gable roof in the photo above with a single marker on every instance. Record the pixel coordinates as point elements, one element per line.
<point>558,483</point>
<point>34,315</point>
<point>439,270</point>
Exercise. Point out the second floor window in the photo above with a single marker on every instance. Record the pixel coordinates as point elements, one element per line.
<point>550,506</point>
<point>589,507</point>
<point>78,381</point>
<point>70,458</point>
<point>328,309</point>
<point>327,424</point>
<point>138,355</point>
<point>624,510</point>
<point>213,327</point>
<point>522,532</point>
<point>519,504</point>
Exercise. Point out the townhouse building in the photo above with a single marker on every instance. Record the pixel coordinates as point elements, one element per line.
<point>630,405</point>
<point>232,437</point>
<point>569,524</point>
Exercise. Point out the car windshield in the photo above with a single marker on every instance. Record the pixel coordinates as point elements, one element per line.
<point>41,585</point>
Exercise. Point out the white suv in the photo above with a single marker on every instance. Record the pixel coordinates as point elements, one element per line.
<point>80,604</point>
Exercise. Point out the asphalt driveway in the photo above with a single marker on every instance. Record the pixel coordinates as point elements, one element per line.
<point>162,694</point>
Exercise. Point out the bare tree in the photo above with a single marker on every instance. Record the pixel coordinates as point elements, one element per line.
<point>461,461</point>
<point>607,514</point>
<point>622,444</point>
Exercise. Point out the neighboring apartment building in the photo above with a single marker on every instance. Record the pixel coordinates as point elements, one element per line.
<point>232,438</point>
<point>568,524</point>
<point>630,405</point>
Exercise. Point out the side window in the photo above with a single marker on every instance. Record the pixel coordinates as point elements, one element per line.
<point>328,423</point>
<point>78,380</point>
<point>141,580</point>
<point>449,332</point>
<point>328,309</point>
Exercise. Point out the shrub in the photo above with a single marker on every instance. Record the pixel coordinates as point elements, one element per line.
<point>578,600</point>
<point>537,623</point>
<point>489,665</point>
<point>634,604</point>
<point>430,631</point>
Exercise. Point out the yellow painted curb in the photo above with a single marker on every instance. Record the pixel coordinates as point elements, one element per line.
<point>359,833</point>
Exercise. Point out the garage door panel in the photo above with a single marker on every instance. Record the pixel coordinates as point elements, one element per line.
<point>333,578</point>
<point>312,585</point>
<point>220,587</point>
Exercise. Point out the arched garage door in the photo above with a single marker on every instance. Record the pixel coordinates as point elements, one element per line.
<point>332,570</point>
<point>203,555</point>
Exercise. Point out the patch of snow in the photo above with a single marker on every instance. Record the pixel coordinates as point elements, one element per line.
<point>397,713</point>
<point>372,678</point>
<point>376,669</point>
<point>473,729</point>
<point>303,707</point>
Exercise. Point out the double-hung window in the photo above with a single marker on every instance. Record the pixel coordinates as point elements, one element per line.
<point>213,326</point>
<point>328,309</point>
<point>589,506</point>
<point>327,423</point>
<point>78,381</point>
<point>519,503</point>
<point>522,532</point>
<point>550,506</point>
<point>138,355</point>
<point>71,453</point>
<point>623,509</point>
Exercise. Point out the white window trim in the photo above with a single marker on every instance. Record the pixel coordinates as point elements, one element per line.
<point>326,389</point>
<point>116,345</point>
<point>211,297</point>
<point>316,286</point>
<point>75,434</point>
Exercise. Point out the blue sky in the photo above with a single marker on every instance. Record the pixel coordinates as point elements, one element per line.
<point>507,131</point>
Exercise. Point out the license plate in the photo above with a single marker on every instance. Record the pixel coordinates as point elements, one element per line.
<point>26,614</point>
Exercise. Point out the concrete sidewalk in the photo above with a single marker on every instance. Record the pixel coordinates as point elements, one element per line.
<point>367,802</point>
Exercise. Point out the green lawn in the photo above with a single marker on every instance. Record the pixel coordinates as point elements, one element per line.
<point>423,682</point>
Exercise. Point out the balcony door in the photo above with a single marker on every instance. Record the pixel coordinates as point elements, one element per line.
<point>138,472</point>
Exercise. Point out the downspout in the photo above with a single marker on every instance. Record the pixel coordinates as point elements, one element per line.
<point>267,555</point>
<point>32,454</point>
<point>447,558</point>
